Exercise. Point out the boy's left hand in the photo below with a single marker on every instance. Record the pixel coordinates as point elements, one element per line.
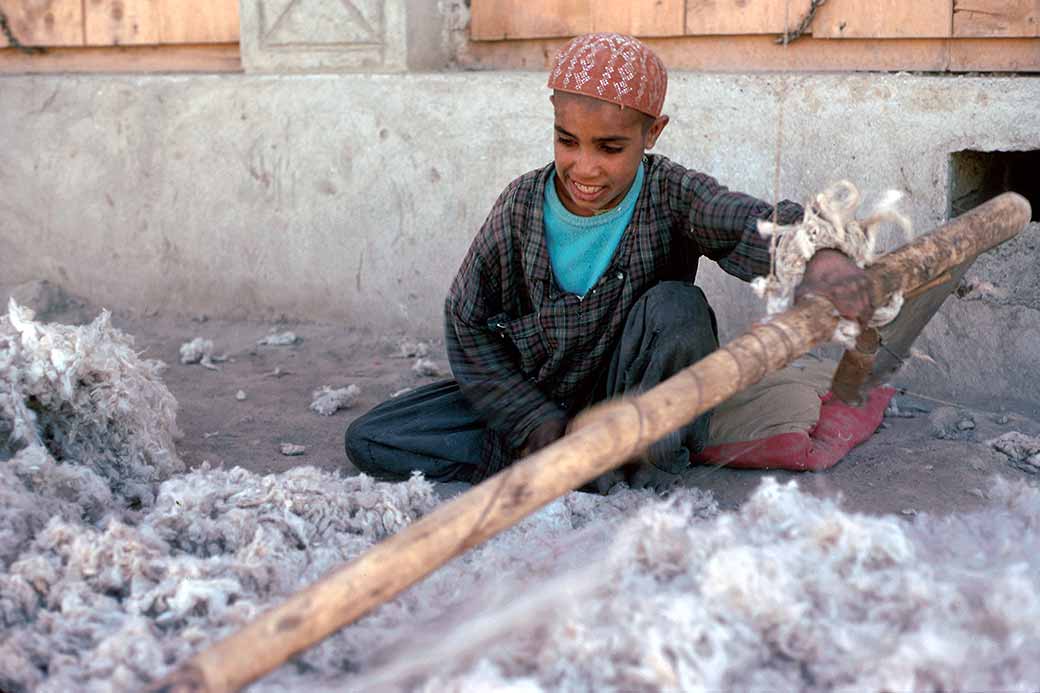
<point>832,275</point>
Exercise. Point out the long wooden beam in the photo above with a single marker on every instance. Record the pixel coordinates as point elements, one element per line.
<point>807,54</point>
<point>210,57</point>
<point>611,435</point>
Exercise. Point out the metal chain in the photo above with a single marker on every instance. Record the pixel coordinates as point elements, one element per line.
<point>5,28</point>
<point>803,26</point>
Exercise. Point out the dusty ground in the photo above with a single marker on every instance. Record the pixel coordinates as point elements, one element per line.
<point>904,469</point>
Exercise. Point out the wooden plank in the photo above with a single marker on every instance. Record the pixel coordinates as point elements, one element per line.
<point>989,55</point>
<point>493,20</point>
<point>44,22</point>
<point>121,22</point>
<point>884,19</point>
<point>640,18</point>
<point>743,53</point>
<point>996,18</point>
<point>209,58</point>
<point>198,21</point>
<point>736,17</point>
<point>808,54</point>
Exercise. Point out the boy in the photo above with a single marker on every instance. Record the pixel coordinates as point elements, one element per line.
<point>579,286</point>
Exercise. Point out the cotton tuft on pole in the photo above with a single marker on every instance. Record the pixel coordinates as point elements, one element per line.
<point>609,435</point>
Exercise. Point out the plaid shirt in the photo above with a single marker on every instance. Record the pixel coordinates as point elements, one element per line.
<point>524,351</point>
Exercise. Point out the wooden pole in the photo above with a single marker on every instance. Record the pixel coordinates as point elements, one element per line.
<point>855,368</point>
<point>610,435</point>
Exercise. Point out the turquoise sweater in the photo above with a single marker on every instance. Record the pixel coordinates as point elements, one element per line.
<point>580,248</point>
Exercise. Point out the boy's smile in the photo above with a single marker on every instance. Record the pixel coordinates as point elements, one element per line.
<point>598,148</point>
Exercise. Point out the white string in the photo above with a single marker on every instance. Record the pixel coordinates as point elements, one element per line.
<point>829,222</point>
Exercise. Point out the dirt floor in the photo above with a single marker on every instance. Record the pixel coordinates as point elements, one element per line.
<point>905,469</point>
<point>931,459</point>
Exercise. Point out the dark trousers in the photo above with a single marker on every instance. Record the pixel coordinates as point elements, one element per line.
<point>434,430</point>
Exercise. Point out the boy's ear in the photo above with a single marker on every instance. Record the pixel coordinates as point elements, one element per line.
<point>655,131</point>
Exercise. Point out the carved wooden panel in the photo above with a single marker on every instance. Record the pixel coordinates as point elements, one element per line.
<point>324,35</point>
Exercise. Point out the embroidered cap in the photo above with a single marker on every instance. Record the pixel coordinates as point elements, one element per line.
<point>612,67</point>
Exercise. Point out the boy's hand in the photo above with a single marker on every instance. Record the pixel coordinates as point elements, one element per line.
<point>832,275</point>
<point>549,431</point>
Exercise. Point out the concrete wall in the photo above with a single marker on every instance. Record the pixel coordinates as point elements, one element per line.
<point>353,197</point>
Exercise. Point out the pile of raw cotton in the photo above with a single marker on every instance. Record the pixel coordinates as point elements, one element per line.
<point>624,592</point>
<point>89,423</point>
<point>84,395</point>
<point>788,593</point>
<point>115,565</point>
<point>113,604</point>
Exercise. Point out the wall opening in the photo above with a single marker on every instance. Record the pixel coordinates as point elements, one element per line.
<point>979,176</point>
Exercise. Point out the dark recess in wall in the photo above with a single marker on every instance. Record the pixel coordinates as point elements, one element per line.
<point>977,176</point>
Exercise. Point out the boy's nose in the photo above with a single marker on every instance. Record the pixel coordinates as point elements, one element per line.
<point>585,167</point>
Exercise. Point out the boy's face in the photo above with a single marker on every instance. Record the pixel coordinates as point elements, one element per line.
<point>598,148</point>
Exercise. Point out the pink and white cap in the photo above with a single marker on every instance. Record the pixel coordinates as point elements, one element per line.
<point>612,67</point>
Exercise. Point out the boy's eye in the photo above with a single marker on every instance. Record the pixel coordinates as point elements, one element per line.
<point>565,141</point>
<point>611,149</point>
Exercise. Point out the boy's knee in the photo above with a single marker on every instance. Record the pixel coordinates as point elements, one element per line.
<point>358,444</point>
<point>680,306</point>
